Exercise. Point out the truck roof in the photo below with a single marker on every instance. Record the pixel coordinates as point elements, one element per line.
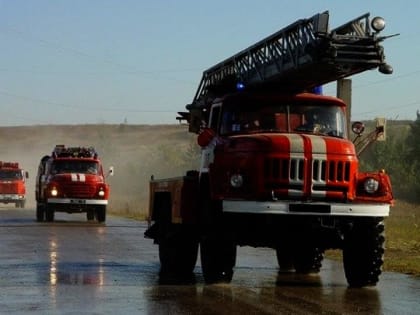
<point>244,97</point>
<point>61,151</point>
<point>13,165</point>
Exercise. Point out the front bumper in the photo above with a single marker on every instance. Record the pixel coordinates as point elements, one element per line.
<point>308,209</point>
<point>11,198</point>
<point>77,201</point>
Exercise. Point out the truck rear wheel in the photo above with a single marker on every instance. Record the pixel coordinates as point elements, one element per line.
<point>308,260</point>
<point>363,253</point>
<point>285,260</point>
<point>302,260</point>
<point>20,204</point>
<point>178,243</point>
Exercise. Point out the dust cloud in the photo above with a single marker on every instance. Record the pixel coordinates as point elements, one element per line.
<point>135,151</point>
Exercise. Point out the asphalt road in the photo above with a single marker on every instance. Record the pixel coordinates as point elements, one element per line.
<point>72,266</point>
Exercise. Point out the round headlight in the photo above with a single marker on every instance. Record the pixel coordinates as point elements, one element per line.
<point>236,180</point>
<point>54,192</point>
<point>378,23</point>
<point>371,185</point>
<point>101,193</point>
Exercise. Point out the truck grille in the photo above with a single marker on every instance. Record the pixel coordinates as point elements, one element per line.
<point>282,173</point>
<point>334,171</point>
<point>284,169</point>
<point>79,191</point>
<point>9,188</point>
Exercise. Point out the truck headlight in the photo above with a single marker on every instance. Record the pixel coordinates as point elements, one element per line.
<point>371,185</point>
<point>101,193</point>
<point>236,180</point>
<point>54,192</point>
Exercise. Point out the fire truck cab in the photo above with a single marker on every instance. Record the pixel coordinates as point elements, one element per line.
<point>71,180</point>
<point>13,184</point>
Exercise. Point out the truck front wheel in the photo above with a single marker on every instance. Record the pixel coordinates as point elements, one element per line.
<point>40,213</point>
<point>49,214</point>
<point>178,254</point>
<point>363,253</point>
<point>218,257</point>
<point>101,213</point>
<point>90,215</point>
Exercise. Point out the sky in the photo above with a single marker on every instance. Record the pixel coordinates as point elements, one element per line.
<point>140,62</point>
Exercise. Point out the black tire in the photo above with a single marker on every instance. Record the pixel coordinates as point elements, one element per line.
<point>308,260</point>
<point>285,260</point>
<point>217,248</point>
<point>178,255</point>
<point>218,258</point>
<point>301,260</point>
<point>49,214</point>
<point>178,243</point>
<point>40,213</point>
<point>363,252</point>
<point>90,215</point>
<point>101,214</point>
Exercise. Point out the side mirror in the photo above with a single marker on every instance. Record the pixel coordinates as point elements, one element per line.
<point>358,128</point>
<point>111,171</point>
<point>26,174</point>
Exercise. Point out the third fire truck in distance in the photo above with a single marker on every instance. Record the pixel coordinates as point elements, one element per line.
<point>278,166</point>
<point>13,184</point>
<point>71,180</point>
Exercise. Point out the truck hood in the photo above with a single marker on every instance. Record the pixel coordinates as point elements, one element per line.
<point>288,143</point>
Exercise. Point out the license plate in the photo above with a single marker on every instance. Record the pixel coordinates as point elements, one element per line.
<point>298,207</point>
<point>78,201</point>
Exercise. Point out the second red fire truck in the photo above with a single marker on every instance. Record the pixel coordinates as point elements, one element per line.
<point>71,180</point>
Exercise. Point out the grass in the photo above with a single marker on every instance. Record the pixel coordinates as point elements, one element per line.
<point>402,230</point>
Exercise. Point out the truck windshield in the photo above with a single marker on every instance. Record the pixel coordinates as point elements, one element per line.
<point>68,166</point>
<point>323,119</point>
<point>10,174</point>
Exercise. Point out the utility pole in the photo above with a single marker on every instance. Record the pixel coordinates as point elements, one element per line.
<point>344,93</point>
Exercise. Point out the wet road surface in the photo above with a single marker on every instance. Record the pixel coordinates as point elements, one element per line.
<point>72,266</point>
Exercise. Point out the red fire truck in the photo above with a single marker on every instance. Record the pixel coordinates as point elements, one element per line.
<point>12,184</point>
<point>71,180</point>
<point>278,167</point>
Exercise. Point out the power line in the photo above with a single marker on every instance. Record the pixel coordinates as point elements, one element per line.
<point>84,108</point>
<point>128,69</point>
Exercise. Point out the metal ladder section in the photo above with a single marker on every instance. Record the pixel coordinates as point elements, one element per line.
<point>299,57</point>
